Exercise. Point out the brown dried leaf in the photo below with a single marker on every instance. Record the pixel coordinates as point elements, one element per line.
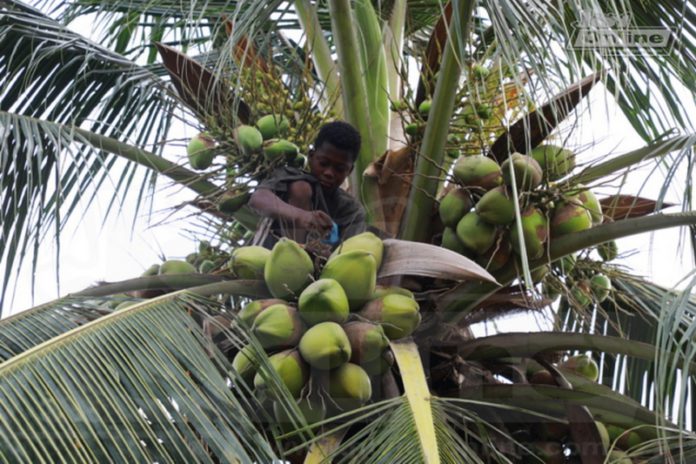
<point>534,127</point>
<point>436,45</point>
<point>245,50</point>
<point>393,172</point>
<point>619,207</point>
<point>200,89</point>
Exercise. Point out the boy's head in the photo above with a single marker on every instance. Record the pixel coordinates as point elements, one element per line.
<point>335,150</point>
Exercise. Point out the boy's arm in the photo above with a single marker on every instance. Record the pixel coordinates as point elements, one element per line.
<point>268,204</point>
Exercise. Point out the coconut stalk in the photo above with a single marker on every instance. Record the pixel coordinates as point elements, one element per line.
<point>356,108</point>
<point>457,303</point>
<point>418,396</point>
<point>374,62</point>
<point>431,155</point>
<point>321,55</point>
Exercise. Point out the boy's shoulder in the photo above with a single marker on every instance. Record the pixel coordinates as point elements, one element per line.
<point>280,177</point>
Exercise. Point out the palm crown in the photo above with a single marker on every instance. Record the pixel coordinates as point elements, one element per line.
<point>461,109</point>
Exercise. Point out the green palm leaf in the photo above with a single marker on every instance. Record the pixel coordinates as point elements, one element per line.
<point>34,326</point>
<point>139,385</point>
<point>65,80</point>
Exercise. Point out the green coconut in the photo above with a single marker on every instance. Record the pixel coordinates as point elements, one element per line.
<point>534,232</point>
<point>288,270</point>
<point>272,125</point>
<point>175,266</point>
<point>248,138</point>
<point>478,171</point>
<point>555,162</point>
<point>570,217</point>
<point>356,272</point>
<point>496,207</point>
<point>528,173</point>
<point>322,301</point>
<point>201,151</point>
<point>249,262</point>
<point>475,234</point>
<point>454,206</point>
<point>276,149</point>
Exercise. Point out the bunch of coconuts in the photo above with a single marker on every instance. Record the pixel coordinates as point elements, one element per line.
<point>551,441</point>
<point>326,330</point>
<point>587,286</point>
<point>257,149</point>
<point>479,213</point>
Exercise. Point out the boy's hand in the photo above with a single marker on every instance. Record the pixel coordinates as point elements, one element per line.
<point>315,220</point>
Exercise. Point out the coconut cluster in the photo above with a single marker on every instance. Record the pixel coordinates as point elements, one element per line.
<point>479,214</point>
<point>586,286</point>
<point>272,125</point>
<point>329,326</point>
<point>256,150</point>
<point>551,441</point>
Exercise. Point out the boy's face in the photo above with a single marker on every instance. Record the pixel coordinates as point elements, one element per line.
<point>330,165</point>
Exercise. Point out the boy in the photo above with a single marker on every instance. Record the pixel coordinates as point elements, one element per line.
<point>304,205</point>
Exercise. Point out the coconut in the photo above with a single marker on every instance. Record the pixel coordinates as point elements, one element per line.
<point>323,300</point>
<point>175,266</point>
<point>478,171</point>
<point>527,171</point>
<point>349,386</point>
<point>288,270</point>
<point>534,232</point>
<point>248,138</point>
<point>201,151</point>
<point>475,234</point>
<point>399,315</point>
<point>496,207</point>
<point>292,370</point>
<point>570,217</point>
<point>367,341</point>
<point>248,313</point>
<point>452,242</point>
<point>325,346</point>
<point>454,206</point>
<point>278,326</point>
<point>356,272</point>
<point>555,162</point>
<point>271,126</point>
<point>276,149</point>
<point>366,241</point>
<point>249,262</point>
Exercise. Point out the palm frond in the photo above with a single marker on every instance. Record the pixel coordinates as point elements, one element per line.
<point>540,38</point>
<point>65,80</point>
<point>40,324</point>
<point>669,323</point>
<point>139,385</point>
<point>669,72</point>
<point>389,433</point>
<point>131,27</point>
<point>27,329</point>
<point>676,332</point>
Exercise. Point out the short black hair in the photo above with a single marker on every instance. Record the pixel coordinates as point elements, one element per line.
<point>341,135</point>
